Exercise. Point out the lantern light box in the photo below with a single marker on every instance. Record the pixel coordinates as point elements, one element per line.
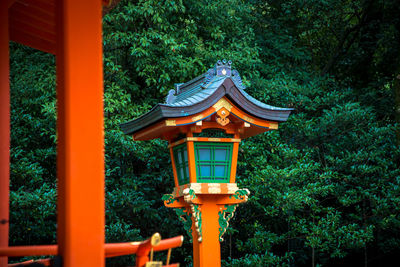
<point>204,121</point>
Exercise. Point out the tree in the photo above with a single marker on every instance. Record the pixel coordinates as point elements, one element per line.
<point>325,186</point>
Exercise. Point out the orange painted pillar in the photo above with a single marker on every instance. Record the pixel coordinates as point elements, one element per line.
<point>196,249</point>
<point>210,214</point>
<point>4,128</point>
<point>207,253</point>
<point>80,148</point>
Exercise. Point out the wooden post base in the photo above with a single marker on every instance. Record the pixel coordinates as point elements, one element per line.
<point>206,217</point>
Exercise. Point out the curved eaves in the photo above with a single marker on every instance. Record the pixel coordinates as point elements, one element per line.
<point>205,99</point>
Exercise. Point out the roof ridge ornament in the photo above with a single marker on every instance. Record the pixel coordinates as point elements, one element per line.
<point>223,69</point>
<point>171,97</point>
<point>237,80</point>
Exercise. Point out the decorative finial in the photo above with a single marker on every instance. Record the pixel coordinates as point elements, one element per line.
<point>223,68</point>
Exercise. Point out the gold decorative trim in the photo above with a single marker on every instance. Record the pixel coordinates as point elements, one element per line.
<point>214,188</point>
<point>170,123</point>
<point>206,188</point>
<point>223,114</point>
<point>273,125</point>
<point>214,139</point>
<point>223,121</point>
<point>248,119</point>
<point>199,117</point>
<point>232,188</point>
<point>196,187</point>
<point>191,139</point>
<point>155,239</point>
<point>222,103</point>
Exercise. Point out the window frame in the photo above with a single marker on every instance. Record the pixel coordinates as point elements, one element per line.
<point>182,166</point>
<point>227,163</point>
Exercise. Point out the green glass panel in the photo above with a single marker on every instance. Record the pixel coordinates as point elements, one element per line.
<point>220,154</point>
<point>204,154</point>
<point>213,161</point>
<point>181,163</point>
<point>219,171</point>
<point>179,158</point>
<point>205,170</point>
<point>187,171</point>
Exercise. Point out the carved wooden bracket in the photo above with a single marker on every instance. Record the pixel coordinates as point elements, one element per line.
<point>223,114</point>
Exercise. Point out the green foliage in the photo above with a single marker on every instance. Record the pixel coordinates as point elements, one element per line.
<point>324,187</point>
<point>33,151</point>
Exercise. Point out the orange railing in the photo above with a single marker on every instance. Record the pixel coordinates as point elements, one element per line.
<point>141,249</point>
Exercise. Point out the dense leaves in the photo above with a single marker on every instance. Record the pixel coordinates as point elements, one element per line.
<point>324,187</point>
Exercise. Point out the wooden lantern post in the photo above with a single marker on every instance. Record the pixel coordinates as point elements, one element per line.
<point>204,121</point>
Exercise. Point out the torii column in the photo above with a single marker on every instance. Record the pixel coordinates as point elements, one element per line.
<point>80,129</point>
<point>4,127</point>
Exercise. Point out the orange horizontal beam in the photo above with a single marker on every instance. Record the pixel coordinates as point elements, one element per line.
<point>121,249</point>
<point>172,242</point>
<point>45,262</point>
<point>47,7</point>
<point>19,251</point>
<point>111,249</point>
<point>29,28</point>
<point>46,16</point>
<point>32,41</point>
<point>46,26</point>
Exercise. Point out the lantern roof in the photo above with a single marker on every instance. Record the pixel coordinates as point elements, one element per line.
<point>201,93</point>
